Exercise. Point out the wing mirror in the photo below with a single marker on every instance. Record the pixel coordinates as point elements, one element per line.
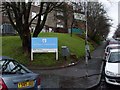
<point>106,53</point>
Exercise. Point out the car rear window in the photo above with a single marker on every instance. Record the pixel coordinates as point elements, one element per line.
<point>12,67</point>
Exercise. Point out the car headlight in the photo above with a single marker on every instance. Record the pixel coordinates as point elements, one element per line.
<point>110,73</point>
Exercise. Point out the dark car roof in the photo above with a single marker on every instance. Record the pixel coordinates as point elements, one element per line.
<point>4,57</point>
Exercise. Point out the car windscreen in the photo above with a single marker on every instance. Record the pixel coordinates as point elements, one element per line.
<point>114,57</point>
<point>12,67</point>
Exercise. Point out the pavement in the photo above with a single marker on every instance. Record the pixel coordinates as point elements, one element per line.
<point>74,75</point>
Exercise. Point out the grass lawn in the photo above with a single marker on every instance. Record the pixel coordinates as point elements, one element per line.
<point>11,46</point>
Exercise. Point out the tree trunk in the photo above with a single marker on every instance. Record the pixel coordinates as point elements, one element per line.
<point>26,41</point>
<point>37,31</point>
<point>26,45</point>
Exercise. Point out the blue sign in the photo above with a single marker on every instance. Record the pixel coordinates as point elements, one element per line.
<point>44,43</point>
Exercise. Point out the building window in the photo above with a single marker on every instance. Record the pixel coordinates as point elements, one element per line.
<point>58,20</point>
<point>37,3</point>
<point>60,25</point>
<point>33,14</point>
<point>74,7</point>
<point>5,14</point>
<point>60,13</point>
<point>42,17</point>
<point>50,30</point>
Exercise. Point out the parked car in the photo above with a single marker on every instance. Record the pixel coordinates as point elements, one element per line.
<point>112,71</point>
<point>113,41</point>
<point>118,39</point>
<point>109,47</point>
<point>15,76</point>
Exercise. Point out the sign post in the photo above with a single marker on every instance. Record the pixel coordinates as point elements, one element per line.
<point>44,45</point>
<point>86,37</point>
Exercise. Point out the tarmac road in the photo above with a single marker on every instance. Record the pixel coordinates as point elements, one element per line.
<point>103,85</point>
<point>74,77</point>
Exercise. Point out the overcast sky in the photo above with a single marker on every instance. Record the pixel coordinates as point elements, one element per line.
<point>112,10</point>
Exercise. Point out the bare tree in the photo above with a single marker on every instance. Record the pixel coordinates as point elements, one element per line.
<point>117,33</point>
<point>98,21</point>
<point>19,17</point>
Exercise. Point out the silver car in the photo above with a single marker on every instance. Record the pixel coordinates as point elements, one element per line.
<point>14,76</point>
<point>110,47</point>
<point>112,71</point>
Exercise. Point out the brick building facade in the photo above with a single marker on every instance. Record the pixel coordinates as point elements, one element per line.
<point>58,20</point>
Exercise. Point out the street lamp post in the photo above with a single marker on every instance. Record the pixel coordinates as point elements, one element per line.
<point>86,42</point>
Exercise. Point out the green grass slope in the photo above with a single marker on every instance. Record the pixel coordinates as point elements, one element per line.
<point>11,46</point>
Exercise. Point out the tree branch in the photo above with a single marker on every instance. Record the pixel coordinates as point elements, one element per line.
<point>11,20</point>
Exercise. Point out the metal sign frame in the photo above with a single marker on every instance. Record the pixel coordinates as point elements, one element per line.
<point>44,45</point>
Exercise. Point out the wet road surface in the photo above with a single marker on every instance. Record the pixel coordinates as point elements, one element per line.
<point>72,78</point>
<point>103,85</point>
<point>62,82</point>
